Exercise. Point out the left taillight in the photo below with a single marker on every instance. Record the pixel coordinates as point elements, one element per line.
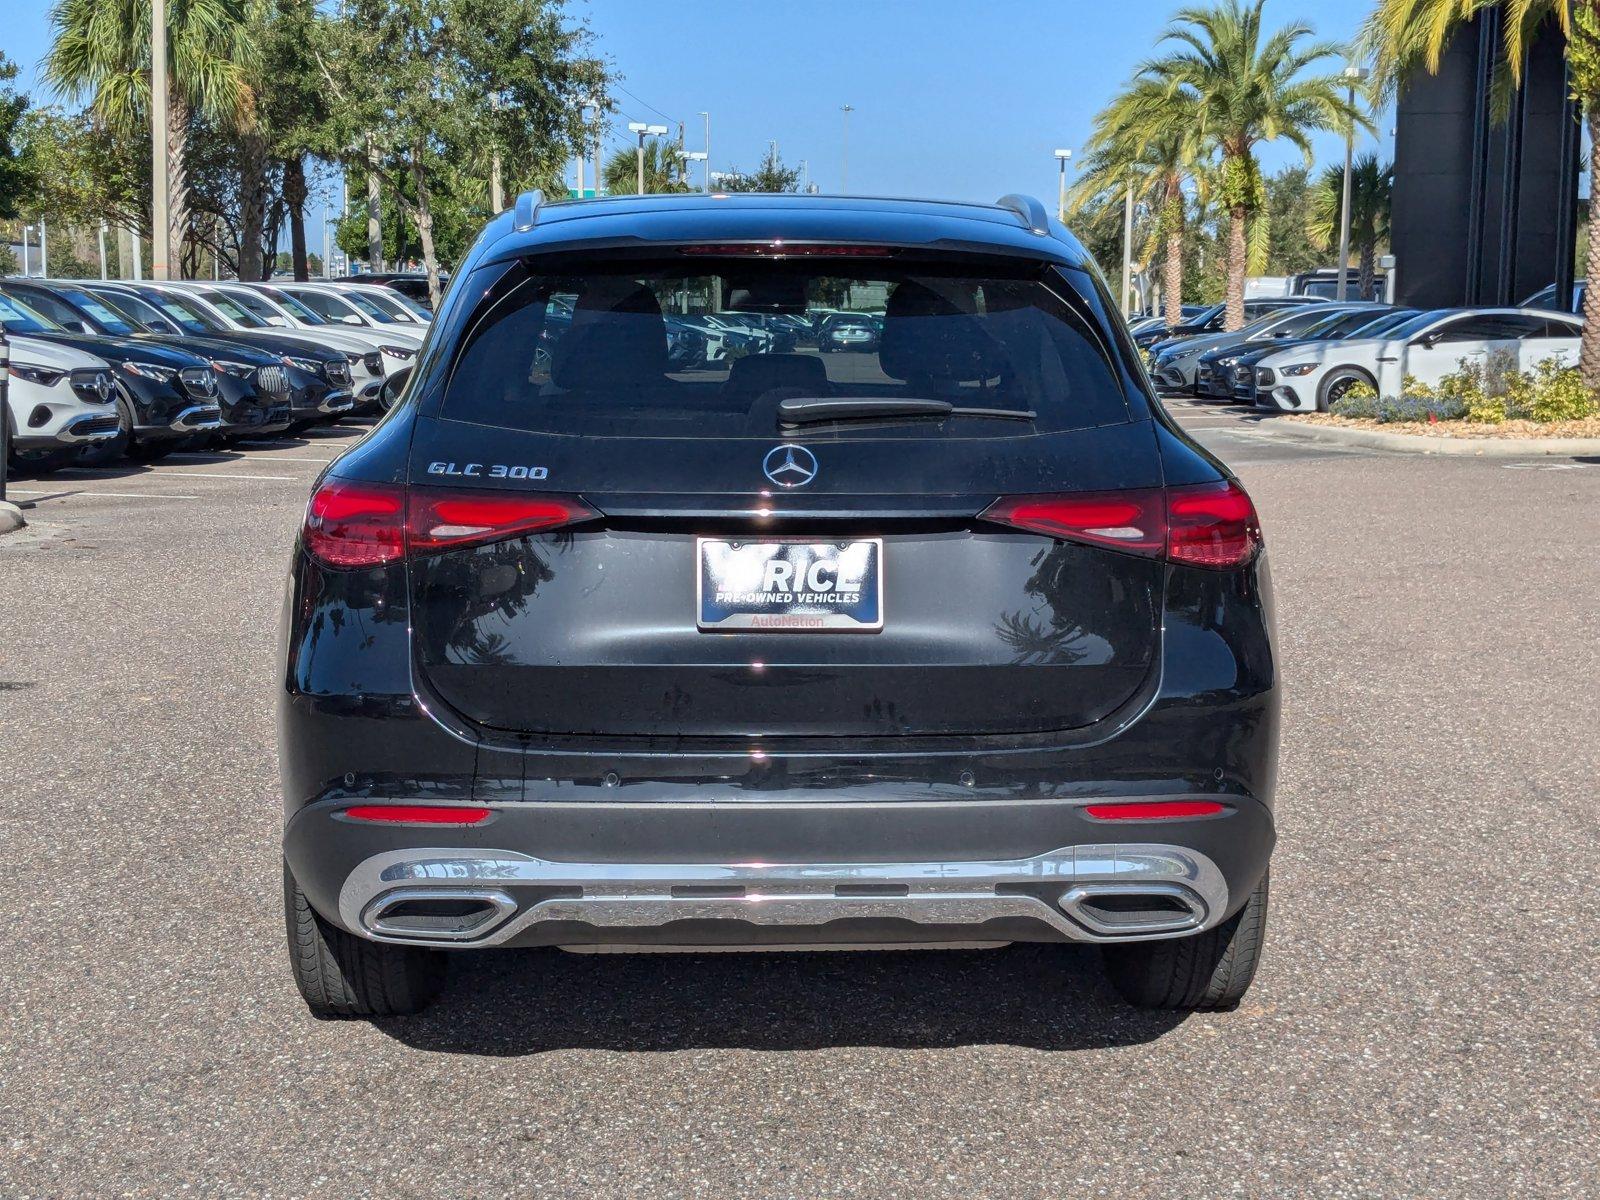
<point>1202,525</point>
<point>354,525</point>
<point>351,525</point>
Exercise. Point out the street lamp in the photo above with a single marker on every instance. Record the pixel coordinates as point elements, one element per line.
<point>26,230</point>
<point>844,174</point>
<point>1062,156</point>
<point>707,116</point>
<point>1352,76</point>
<point>690,156</point>
<point>644,131</point>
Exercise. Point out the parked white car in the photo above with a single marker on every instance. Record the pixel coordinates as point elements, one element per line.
<point>60,400</point>
<point>284,311</point>
<point>330,302</point>
<point>385,305</point>
<point>1312,376</point>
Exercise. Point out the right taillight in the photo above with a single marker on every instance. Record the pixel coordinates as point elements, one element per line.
<point>356,525</point>
<point>1202,525</point>
<point>1211,525</point>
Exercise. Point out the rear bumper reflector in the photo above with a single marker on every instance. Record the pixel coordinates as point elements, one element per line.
<point>416,814</point>
<point>1155,810</point>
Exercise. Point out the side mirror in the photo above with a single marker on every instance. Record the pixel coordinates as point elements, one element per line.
<point>75,326</point>
<point>1428,340</point>
<point>278,321</point>
<point>352,319</point>
<point>393,388</point>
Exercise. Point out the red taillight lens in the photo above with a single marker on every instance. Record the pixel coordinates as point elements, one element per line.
<point>1134,521</point>
<point>1211,525</point>
<point>354,525</point>
<point>443,520</point>
<point>417,814</point>
<point>1155,810</point>
<point>1204,525</point>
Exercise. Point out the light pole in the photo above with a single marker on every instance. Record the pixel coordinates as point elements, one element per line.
<point>697,156</point>
<point>100,237</point>
<point>1127,252</point>
<point>707,116</point>
<point>644,131</point>
<point>844,173</point>
<point>1352,76</point>
<point>327,240</point>
<point>160,194</point>
<point>26,229</point>
<point>1062,157</point>
<point>497,193</point>
<point>44,250</point>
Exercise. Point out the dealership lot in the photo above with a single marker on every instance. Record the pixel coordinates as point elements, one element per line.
<point>1427,1019</point>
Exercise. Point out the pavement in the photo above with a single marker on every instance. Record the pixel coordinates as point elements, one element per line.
<point>1426,1021</point>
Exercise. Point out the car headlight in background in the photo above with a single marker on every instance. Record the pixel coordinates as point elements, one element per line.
<point>403,353</point>
<point>309,365</point>
<point>151,371</point>
<point>1299,369</point>
<point>238,370</point>
<point>43,376</point>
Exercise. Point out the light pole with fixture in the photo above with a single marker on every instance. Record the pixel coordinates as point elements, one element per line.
<point>26,230</point>
<point>1352,76</point>
<point>707,116</point>
<point>644,131</point>
<point>844,174</point>
<point>690,156</point>
<point>1062,157</point>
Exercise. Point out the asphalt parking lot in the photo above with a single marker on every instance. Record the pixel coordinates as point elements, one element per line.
<point>1426,1021</point>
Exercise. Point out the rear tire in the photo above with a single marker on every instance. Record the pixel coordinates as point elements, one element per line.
<point>342,975</point>
<point>1208,970</point>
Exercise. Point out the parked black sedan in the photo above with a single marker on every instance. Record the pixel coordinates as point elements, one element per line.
<point>164,395</point>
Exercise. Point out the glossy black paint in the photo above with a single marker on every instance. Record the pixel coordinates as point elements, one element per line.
<point>983,761</point>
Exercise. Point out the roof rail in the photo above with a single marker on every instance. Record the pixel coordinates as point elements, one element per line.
<point>527,210</point>
<point>1034,215</point>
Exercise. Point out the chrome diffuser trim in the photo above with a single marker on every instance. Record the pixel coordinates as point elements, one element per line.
<point>643,895</point>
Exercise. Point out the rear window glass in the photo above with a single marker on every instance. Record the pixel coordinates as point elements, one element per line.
<point>677,349</point>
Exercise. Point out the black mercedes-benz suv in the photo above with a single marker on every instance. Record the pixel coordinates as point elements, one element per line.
<point>951,639</point>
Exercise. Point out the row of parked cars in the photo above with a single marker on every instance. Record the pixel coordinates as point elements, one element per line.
<point>106,369</point>
<point>1301,353</point>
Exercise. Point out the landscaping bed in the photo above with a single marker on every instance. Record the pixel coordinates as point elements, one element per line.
<point>1584,427</point>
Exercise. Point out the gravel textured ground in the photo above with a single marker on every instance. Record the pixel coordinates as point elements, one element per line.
<point>1426,1023</point>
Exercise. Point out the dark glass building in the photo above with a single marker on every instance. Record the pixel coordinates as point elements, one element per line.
<point>1485,210</point>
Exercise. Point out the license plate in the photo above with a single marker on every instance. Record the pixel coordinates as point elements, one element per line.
<point>783,587</point>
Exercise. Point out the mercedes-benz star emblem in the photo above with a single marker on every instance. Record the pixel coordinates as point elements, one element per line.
<point>790,466</point>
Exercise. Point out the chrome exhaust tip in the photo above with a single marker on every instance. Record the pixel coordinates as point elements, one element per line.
<point>435,914</point>
<point>1134,909</point>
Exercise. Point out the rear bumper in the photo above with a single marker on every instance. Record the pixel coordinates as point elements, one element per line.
<point>713,874</point>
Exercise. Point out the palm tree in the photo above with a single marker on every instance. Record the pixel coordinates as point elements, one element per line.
<point>1371,185</point>
<point>1406,34</point>
<point>1148,139</point>
<point>102,49</point>
<point>663,171</point>
<point>1244,88</point>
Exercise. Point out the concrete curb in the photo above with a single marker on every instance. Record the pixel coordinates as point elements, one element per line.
<point>1414,443</point>
<point>10,517</point>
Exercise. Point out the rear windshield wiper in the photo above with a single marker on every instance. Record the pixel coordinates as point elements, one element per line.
<point>802,411</point>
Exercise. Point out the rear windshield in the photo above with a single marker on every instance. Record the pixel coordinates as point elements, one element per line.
<point>669,349</point>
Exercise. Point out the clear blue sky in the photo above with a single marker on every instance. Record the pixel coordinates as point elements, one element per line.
<point>956,99</point>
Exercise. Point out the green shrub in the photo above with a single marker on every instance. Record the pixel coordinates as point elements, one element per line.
<point>1557,394</point>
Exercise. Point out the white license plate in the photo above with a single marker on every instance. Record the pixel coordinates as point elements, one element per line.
<point>790,586</point>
